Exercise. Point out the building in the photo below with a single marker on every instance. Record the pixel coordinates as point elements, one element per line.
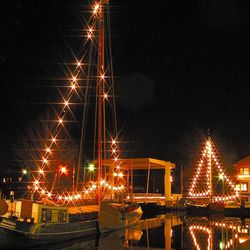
<point>243,177</point>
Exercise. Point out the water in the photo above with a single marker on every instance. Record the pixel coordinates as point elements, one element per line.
<point>170,231</point>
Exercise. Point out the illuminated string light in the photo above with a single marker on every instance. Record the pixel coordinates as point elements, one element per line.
<point>209,153</point>
<point>41,171</point>
<point>46,158</point>
<point>45,161</point>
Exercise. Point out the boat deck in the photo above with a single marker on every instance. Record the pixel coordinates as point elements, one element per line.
<point>84,209</point>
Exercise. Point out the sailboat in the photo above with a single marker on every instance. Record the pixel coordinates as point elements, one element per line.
<point>55,210</point>
<point>203,195</point>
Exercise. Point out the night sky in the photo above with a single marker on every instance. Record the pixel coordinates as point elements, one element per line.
<point>180,70</point>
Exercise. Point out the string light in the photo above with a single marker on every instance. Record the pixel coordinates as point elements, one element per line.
<point>46,157</point>
<point>209,153</point>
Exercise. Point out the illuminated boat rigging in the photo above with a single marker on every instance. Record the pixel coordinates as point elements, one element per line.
<point>55,207</point>
<point>211,187</point>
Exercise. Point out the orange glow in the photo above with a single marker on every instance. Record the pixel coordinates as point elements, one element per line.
<point>45,160</point>
<point>60,121</point>
<point>41,171</point>
<point>63,170</point>
<point>96,8</point>
<point>48,150</point>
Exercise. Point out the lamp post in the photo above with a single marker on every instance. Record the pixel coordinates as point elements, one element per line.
<point>221,177</point>
<point>91,169</point>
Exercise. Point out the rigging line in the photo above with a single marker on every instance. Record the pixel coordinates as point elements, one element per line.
<point>85,111</point>
<point>104,134</point>
<point>111,69</point>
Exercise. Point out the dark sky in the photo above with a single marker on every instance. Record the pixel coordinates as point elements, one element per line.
<point>180,69</point>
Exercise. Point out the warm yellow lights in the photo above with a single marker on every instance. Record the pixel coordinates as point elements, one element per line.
<point>48,150</point>
<point>242,176</point>
<point>74,79</point>
<point>60,121</point>
<point>73,86</point>
<point>25,171</point>
<point>120,175</point>
<point>102,182</point>
<point>66,103</point>
<point>63,170</point>
<point>105,96</point>
<point>96,8</point>
<point>208,155</point>
<point>45,161</point>
<point>91,167</point>
<point>54,139</point>
<point>41,171</point>
<point>36,182</point>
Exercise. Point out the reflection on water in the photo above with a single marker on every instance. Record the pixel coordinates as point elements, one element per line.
<point>170,231</point>
<point>181,232</point>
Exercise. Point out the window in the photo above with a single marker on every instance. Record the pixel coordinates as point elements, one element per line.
<point>244,170</point>
<point>62,216</point>
<point>244,187</point>
<point>244,230</point>
<point>46,215</point>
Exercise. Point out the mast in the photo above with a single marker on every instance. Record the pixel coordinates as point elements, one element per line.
<point>100,93</point>
<point>210,167</point>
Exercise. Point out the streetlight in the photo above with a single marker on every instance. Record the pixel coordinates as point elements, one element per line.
<point>91,169</point>
<point>221,177</point>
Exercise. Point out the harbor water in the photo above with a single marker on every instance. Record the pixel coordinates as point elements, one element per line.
<point>169,231</point>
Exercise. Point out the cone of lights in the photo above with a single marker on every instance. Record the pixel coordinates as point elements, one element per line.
<point>44,186</point>
<point>202,182</point>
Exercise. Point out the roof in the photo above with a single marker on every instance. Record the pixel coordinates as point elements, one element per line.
<point>140,163</point>
<point>244,161</point>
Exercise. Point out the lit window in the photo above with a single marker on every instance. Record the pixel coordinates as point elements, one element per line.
<point>244,170</point>
<point>243,187</point>
<point>244,230</point>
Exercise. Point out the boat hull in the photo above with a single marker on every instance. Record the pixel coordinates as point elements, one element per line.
<point>28,234</point>
<point>111,218</point>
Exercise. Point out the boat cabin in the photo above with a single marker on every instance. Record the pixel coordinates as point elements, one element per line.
<point>36,212</point>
